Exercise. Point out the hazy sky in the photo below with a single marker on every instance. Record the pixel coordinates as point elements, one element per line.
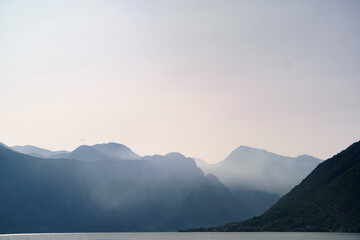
<point>200,77</point>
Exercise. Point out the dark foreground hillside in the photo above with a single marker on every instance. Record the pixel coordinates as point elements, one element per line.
<point>64,195</point>
<point>326,200</point>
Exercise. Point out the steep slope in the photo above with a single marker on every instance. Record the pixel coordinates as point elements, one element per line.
<point>326,200</point>
<point>257,201</point>
<point>3,145</point>
<point>255,169</point>
<point>63,195</point>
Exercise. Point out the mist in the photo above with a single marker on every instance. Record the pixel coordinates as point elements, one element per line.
<point>152,193</point>
<point>255,169</point>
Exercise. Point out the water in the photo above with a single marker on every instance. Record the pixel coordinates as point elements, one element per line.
<point>182,236</point>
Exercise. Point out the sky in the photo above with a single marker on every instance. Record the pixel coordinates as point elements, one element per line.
<point>199,77</point>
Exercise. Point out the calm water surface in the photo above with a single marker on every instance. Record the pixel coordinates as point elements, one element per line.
<point>182,236</point>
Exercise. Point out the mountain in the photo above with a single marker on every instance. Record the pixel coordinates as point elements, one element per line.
<point>36,152</point>
<point>254,169</point>
<point>98,152</point>
<point>117,151</point>
<point>257,201</point>
<point>257,177</point>
<point>150,194</point>
<point>328,199</point>
<point>87,153</point>
<point>176,164</point>
<point>208,201</point>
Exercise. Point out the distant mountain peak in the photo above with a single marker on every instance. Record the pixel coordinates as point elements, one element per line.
<point>173,162</point>
<point>117,150</point>
<point>245,147</point>
<point>175,155</point>
<point>303,156</point>
<point>82,147</point>
<point>104,151</point>
<point>247,153</point>
<point>248,149</point>
<point>111,145</point>
<point>257,169</point>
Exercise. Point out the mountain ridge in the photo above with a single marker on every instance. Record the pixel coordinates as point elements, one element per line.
<point>173,163</point>
<point>326,200</point>
<point>69,195</point>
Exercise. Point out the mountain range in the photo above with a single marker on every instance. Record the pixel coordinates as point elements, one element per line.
<point>156,193</point>
<point>328,199</point>
<point>98,152</point>
<point>108,187</point>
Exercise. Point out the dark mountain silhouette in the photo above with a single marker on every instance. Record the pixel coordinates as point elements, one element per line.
<point>257,201</point>
<point>67,195</point>
<point>328,199</point>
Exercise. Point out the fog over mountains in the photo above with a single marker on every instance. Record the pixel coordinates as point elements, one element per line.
<point>328,199</point>
<point>249,168</point>
<point>108,187</point>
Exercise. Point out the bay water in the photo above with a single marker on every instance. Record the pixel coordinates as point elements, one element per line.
<point>183,236</point>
